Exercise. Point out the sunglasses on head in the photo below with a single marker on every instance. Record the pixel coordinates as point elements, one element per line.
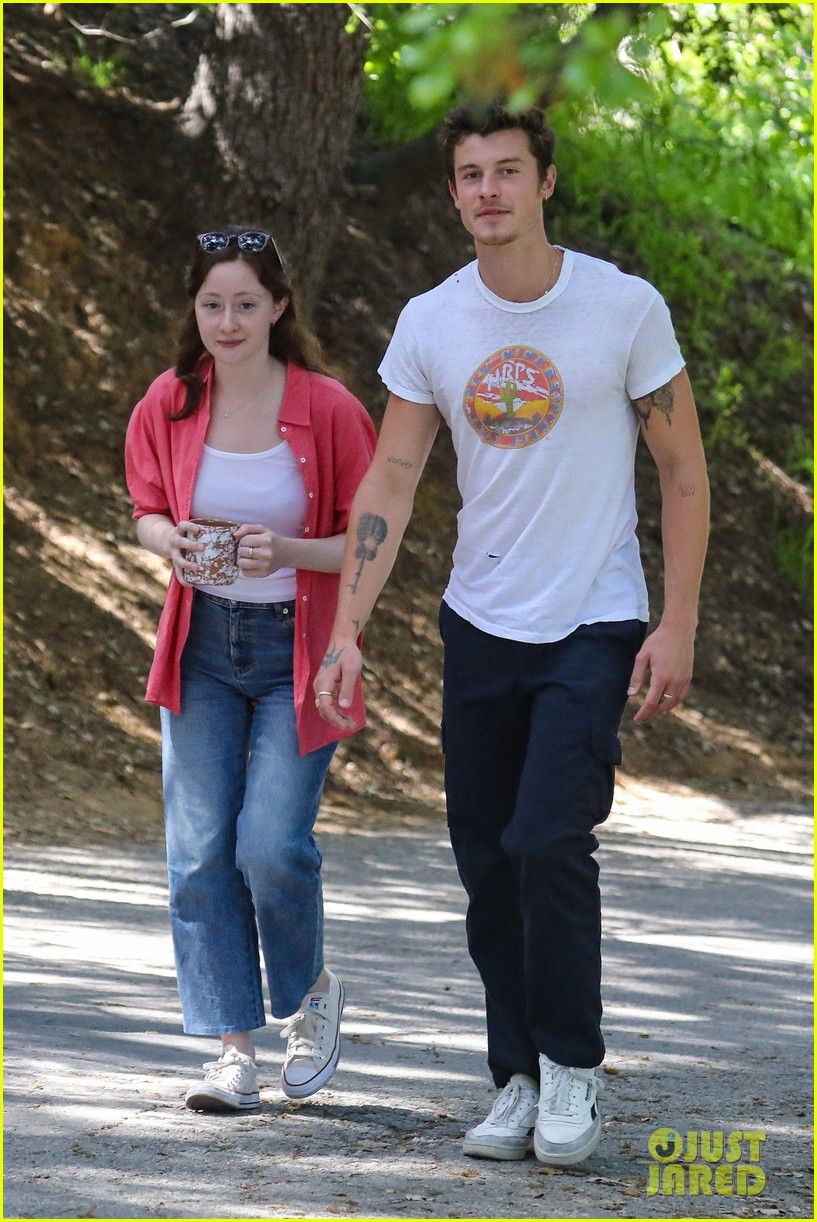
<point>252,240</point>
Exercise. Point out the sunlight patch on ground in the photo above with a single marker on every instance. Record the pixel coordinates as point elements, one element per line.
<point>128,721</point>
<point>467,1041</point>
<point>343,911</point>
<point>34,882</point>
<point>397,721</point>
<point>719,860</point>
<point>719,734</point>
<point>112,575</point>
<point>97,948</point>
<point>682,814</point>
<point>648,1012</point>
<point>734,948</point>
<point>437,1075</point>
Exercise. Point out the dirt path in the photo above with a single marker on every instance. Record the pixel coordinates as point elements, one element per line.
<point>708,1023</point>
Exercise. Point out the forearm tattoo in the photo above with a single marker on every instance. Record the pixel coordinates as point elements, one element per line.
<point>371,531</point>
<point>662,399</point>
<point>331,656</point>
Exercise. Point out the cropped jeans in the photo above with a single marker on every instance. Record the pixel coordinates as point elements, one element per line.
<point>240,805</point>
<point>530,733</point>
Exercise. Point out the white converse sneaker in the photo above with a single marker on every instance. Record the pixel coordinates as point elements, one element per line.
<point>229,1085</point>
<point>569,1124</point>
<point>313,1042</point>
<point>508,1128</point>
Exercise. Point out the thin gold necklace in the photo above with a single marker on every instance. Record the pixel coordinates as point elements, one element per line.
<point>240,407</point>
<point>552,277</point>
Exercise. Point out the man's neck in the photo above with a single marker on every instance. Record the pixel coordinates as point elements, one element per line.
<point>518,271</point>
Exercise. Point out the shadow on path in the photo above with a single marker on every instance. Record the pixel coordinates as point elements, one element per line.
<point>708,1024</point>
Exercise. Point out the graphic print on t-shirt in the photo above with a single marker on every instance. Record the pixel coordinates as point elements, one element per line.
<point>514,397</point>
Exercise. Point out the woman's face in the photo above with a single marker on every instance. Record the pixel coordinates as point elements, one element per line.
<point>234,313</point>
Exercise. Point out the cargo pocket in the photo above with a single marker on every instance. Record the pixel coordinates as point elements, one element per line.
<point>606,745</point>
<point>606,749</point>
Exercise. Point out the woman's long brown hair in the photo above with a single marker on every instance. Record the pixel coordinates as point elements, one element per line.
<point>289,340</point>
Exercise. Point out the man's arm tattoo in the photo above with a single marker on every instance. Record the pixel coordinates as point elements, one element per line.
<point>371,531</point>
<point>331,656</point>
<point>662,399</point>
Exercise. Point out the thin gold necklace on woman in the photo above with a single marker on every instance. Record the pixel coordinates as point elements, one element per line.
<point>240,406</point>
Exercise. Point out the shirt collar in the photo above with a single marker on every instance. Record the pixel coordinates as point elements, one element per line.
<point>295,406</point>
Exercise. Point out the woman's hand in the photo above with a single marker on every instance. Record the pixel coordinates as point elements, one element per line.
<point>181,541</point>
<point>260,552</point>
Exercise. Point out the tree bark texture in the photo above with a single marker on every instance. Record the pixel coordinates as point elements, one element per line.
<point>277,93</point>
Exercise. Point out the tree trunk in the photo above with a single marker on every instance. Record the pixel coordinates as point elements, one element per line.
<point>277,93</point>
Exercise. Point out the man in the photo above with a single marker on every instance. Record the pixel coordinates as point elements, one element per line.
<point>545,364</point>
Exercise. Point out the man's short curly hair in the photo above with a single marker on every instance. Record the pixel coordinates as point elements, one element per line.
<point>474,120</point>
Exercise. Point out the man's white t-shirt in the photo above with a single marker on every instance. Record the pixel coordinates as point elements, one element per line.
<point>538,399</point>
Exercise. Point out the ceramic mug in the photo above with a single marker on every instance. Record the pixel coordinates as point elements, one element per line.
<point>218,563</point>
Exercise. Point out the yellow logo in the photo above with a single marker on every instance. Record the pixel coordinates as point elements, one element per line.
<point>705,1163</point>
<point>514,397</point>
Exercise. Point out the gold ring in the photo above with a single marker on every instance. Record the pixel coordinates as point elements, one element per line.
<point>666,696</point>
<point>252,549</point>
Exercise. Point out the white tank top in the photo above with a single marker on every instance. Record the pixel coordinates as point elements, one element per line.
<point>265,487</point>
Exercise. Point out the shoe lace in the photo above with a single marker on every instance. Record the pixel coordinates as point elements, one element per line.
<point>227,1073</point>
<point>304,1033</point>
<point>565,1089</point>
<point>509,1099</point>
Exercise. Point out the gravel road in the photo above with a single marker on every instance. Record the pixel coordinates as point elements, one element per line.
<point>708,993</point>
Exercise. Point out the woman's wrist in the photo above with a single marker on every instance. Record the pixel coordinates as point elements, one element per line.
<point>154,533</point>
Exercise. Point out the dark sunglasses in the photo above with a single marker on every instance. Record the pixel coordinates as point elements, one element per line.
<point>252,240</point>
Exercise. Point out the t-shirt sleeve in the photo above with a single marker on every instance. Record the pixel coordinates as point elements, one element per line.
<point>655,356</point>
<point>401,368</point>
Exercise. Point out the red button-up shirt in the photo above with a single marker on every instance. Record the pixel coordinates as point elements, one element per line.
<point>332,438</point>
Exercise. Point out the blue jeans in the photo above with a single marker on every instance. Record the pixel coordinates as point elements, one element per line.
<point>240,805</point>
<point>531,744</point>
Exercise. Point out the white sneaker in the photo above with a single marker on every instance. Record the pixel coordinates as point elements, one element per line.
<point>229,1085</point>
<point>313,1042</point>
<point>507,1131</point>
<point>569,1124</point>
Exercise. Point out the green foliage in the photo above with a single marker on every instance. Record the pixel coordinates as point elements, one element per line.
<point>97,69</point>
<point>424,58</point>
<point>795,555</point>
<point>389,118</point>
<point>727,428</point>
<point>800,457</point>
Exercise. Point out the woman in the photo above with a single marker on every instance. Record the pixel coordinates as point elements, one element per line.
<point>247,427</point>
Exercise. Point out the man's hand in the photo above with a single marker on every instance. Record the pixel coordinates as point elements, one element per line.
<point>667,657</point>
<point>334,684</point>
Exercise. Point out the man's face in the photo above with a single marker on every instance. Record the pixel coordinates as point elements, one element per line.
<point>496,187</point>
